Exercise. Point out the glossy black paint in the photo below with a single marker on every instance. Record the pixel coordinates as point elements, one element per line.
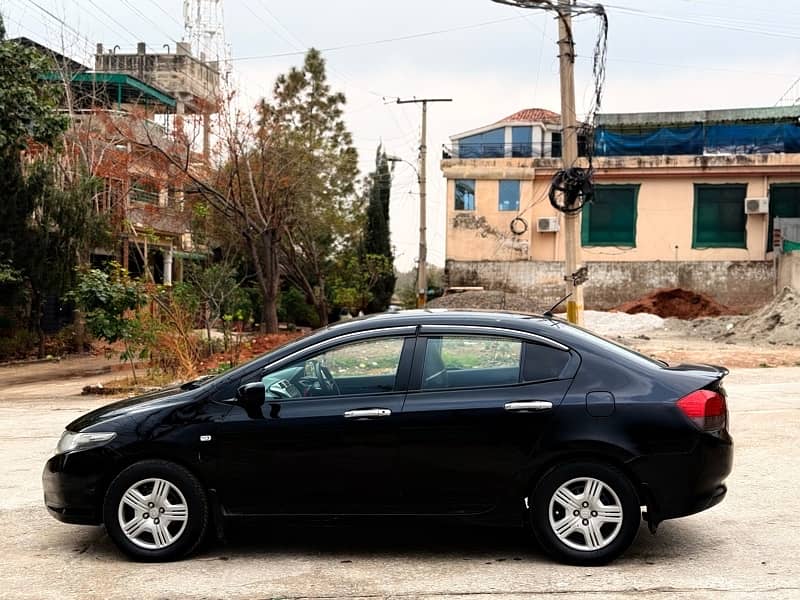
<point>441,451</point>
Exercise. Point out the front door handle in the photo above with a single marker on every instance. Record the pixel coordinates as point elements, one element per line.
<point>367,413</point>
<point>528,406</point>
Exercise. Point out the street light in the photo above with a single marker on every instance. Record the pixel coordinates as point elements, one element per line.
<point>422,268</point>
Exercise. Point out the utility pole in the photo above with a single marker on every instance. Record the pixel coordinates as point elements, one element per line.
<point>569,134</point>
<point>422,268</point>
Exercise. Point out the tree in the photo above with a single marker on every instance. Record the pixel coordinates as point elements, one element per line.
<point>61,227</point>
<point>28,112</point>
<point>377,237</point>
<point>46,216</point>
<point>282,181</point>
<point>216,285</point>
<point>248,186</point>
<point>309,116</point>
<point>110,303</point>
<point>356,279</point>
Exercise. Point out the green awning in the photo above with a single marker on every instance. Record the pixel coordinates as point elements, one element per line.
<point>118,88</point>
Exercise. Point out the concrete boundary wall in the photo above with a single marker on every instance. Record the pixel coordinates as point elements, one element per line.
<point>743,285</point>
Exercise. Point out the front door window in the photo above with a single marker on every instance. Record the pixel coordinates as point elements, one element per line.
<point>366,367</point>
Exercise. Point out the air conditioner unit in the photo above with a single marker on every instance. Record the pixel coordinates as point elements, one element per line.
<point>756,206</point>
<point>547,224</point>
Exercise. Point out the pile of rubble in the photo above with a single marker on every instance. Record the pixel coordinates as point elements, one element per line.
<point>776,323</point>
<point>604,323</point>
<point>488,300</point>
<point>619,324</point>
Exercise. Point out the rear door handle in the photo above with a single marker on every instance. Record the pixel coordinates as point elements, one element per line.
<point>367,413</point>
<point>528,406</point>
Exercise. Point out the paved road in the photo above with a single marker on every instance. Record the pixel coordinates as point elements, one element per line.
<point>747,547</point>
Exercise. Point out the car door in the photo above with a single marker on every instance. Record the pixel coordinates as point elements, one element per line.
<point>327,449</point>
<point>478,403</point>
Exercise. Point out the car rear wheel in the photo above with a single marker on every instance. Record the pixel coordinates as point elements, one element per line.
<point>156,511</point>
<point>585,513</point>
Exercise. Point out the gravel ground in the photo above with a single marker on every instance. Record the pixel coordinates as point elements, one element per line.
<point>620,324</point>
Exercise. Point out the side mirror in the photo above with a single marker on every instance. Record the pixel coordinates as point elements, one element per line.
<point>251,396</point>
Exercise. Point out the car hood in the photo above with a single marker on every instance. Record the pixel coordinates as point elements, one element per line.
<point>145,403</point>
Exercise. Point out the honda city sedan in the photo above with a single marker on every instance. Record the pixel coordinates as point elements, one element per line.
<point>504,418</point>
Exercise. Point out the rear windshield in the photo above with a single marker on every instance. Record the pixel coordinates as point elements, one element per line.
<point>613,348</point>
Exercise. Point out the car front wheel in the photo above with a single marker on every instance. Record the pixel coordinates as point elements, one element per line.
<point>156,511</point>
<point>585,513</point>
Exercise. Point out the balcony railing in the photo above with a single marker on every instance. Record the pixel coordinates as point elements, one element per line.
<point>697,140</point>
<point>514,150</point>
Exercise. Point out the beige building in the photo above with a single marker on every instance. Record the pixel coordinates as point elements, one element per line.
<point>682,199</point>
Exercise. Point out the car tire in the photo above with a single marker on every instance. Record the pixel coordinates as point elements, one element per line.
<point>585,513</point>
<point>156,511</point>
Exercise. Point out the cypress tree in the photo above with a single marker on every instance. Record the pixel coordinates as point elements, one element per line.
<point>377,238</point>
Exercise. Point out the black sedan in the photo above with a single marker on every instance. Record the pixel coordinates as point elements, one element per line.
<point>506,418</point>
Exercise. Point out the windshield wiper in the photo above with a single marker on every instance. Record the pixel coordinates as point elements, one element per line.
<point>196,383</point>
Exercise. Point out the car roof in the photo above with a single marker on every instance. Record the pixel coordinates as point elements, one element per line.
<point>442,316</point>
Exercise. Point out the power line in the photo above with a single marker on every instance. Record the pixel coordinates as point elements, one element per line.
<point>789,92</point>
<point>383,41</point>
<point>124,28</point>
<point>148,19</point>
<point>166,13</point>
<point>61,21</point>
<point>731,25</point>
<point>690,67</point>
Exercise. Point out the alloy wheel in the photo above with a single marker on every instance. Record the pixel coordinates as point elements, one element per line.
<point>153,513</point>
<point>585,514</point>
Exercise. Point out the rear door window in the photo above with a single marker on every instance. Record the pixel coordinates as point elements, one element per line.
<point>463,361</point>
<point>543,363</point>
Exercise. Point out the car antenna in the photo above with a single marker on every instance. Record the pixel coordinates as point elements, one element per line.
<point>549,313</point>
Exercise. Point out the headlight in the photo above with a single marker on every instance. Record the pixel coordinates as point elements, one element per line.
<point>80,441</point>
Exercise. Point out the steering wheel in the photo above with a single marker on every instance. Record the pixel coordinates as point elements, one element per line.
<point>326,381</point>
<point>282,389</point>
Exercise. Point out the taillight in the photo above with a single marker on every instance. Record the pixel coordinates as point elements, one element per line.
<point>706,409</point>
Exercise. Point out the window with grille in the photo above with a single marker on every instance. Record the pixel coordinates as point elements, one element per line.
<point>719,218</point>
<point>610,220</point>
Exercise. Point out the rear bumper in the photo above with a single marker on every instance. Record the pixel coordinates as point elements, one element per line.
<point>677,485</point>
<point>71,493</point>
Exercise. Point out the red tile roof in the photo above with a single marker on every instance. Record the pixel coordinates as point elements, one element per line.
<point>534,115</point>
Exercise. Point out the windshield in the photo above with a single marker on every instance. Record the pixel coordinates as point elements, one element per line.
<point>238,370</point>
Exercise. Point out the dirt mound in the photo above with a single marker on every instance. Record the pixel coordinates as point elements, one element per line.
<point>488,300</point>
<point>776,323</point>
<point>678,303</point>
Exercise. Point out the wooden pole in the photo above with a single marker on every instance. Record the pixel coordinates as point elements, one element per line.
<point>422,265</point>
<point>572,222</point>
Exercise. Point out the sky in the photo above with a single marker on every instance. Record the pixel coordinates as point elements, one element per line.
<point>491,59</point>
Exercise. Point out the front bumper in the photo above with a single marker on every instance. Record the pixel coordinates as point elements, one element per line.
<point>73,487</point>
<point>681,484</point>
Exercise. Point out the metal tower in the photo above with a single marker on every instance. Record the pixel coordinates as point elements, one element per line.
<point>204,29</point>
